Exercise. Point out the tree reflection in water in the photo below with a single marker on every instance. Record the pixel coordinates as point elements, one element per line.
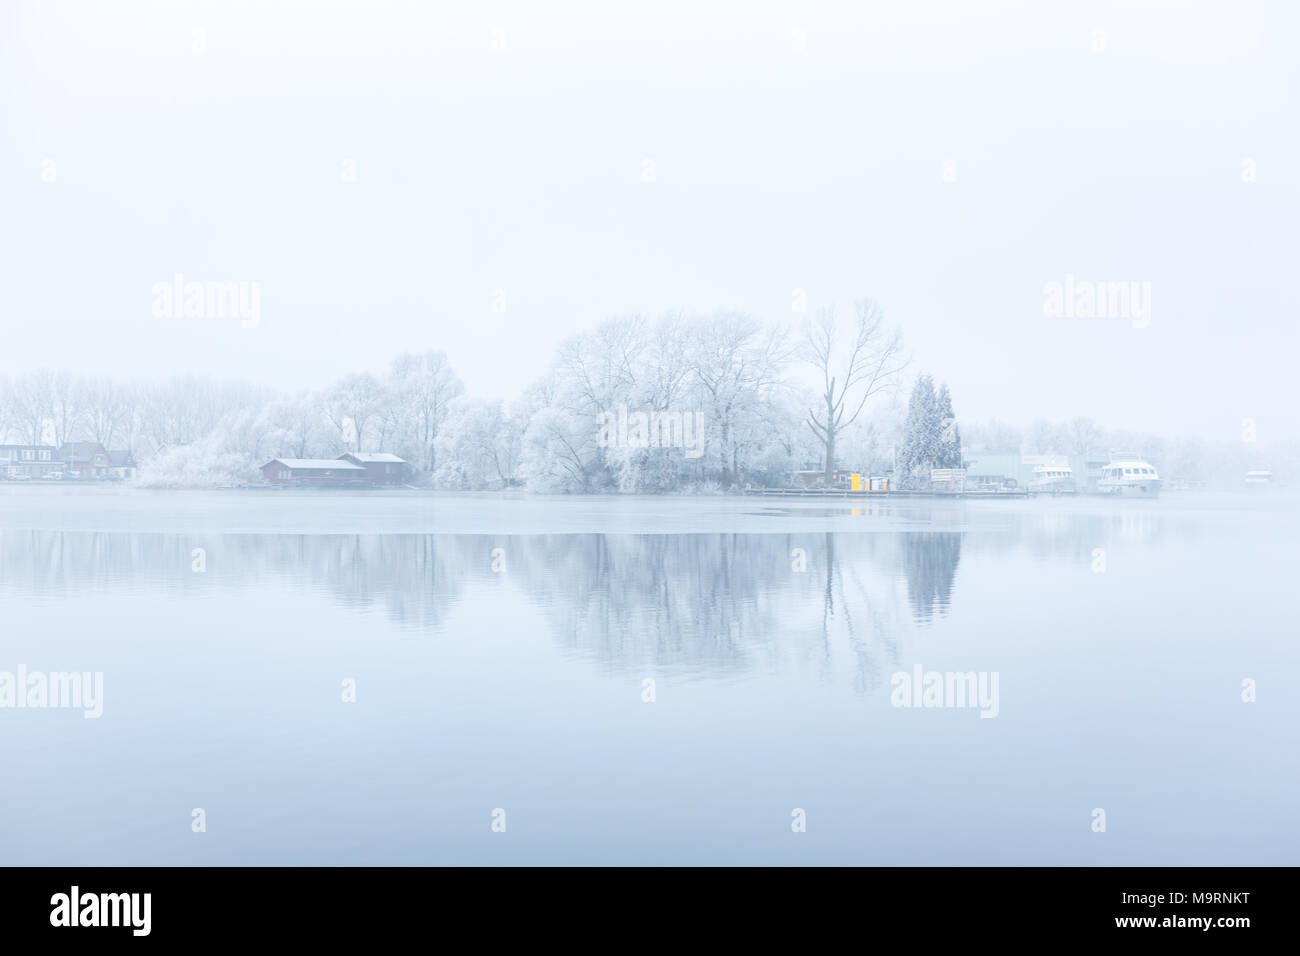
<point>930,563</point>
<point>706,604</point>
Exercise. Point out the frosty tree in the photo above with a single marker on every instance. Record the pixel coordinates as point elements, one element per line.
<point>948,454</point>
<point>931,438</point>
<point>853,367</point>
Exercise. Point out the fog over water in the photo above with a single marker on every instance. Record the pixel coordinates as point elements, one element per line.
<point>522,687</point>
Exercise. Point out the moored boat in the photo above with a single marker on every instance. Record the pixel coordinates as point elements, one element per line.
<point>1129,476</point>
<point>1053,480</point>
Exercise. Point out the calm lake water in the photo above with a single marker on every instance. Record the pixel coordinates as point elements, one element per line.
<point>500,649</point>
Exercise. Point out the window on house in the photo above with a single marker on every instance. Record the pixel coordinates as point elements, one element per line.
<point>45,456</point>
<point>28,454</point>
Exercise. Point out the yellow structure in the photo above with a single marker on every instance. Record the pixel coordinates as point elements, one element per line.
<point>855,482</point>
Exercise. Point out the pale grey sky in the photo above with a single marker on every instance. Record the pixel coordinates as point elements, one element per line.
<point>794,146</point>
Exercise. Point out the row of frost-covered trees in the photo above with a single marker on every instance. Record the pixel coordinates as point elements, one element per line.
<point>744,379</point>
<point>771,399</point>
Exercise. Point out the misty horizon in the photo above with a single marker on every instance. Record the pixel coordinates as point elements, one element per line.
<point>459,183</point>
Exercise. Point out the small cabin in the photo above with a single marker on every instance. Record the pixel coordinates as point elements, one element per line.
<point>121,465</point>
<point>313,471</point>
<point>381,467</point>
<point>84,459</point>
<point>29,461</point>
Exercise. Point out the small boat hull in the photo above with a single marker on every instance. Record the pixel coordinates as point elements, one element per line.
<point>1131,489</point>
<point>1053,487</point>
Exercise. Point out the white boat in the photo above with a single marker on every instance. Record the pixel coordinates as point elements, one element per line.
<point>1053,480</point>
<point>1259,477</point>
<point>1129,476</point>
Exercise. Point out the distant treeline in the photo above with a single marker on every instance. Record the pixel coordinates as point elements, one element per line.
<point>773,399</point>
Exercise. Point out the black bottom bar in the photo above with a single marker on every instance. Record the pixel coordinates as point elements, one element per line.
<point>977,905</point>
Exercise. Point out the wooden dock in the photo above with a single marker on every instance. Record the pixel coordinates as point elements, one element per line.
<point>874,495</point>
